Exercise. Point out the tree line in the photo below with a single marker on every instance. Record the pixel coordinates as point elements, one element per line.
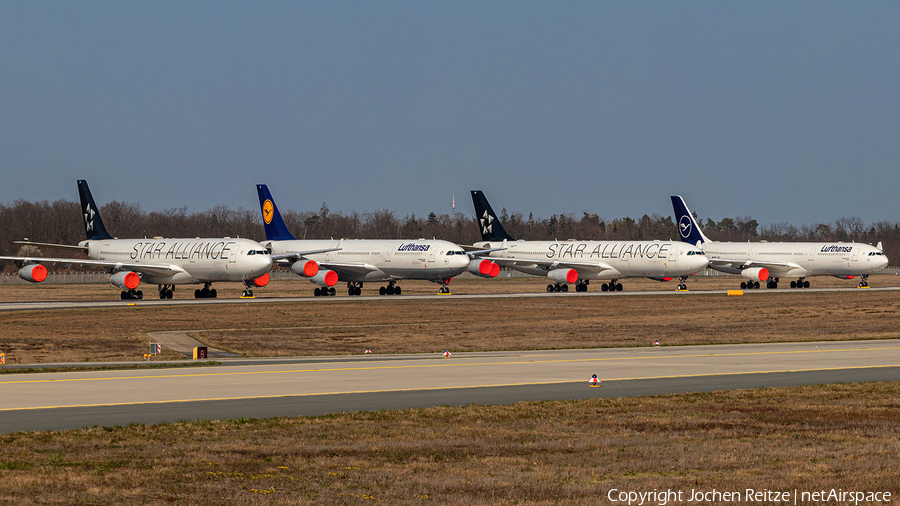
<point>61,222</point>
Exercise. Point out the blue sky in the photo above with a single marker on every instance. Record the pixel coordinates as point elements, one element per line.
<point>782,111</point>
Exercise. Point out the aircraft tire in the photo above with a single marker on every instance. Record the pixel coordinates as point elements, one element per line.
<point>382,291</point>
<point>564,288</point>
<point>213,293</point>
<point>549,288</point>
<point>397,290</point>
<point>332,292</point>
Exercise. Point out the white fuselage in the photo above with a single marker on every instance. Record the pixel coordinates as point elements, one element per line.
<point>804,258</point>
<point>194,260</point>
<point>653,259</point>
<point>360,260</point>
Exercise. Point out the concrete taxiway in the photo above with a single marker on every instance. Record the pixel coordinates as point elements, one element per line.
<point>285,386</point>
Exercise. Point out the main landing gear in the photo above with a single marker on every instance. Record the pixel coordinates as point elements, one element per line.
<point>582,285</point>
<point>612,286</point>
<point>800,283</point>
<point>354,288</point>
<point>772,283</point>
<point>681,286</point>
<point>165,291</point>
<point>132,294</point>
<point>390,289</point>
<point>207,293</point>
<point>559,288</point>
<point>863,281</point>
<point>751,285</point>
<point>324,291</point>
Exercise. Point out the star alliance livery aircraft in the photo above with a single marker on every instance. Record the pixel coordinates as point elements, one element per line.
<point>581,261</point>
<point>770,261</point>
<point>164,262</point>
<point>356,261</point>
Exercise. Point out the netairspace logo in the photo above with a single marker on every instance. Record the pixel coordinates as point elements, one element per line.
<point>750,496</point>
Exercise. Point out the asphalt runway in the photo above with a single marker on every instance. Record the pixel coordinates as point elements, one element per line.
<point>47,305</point>
<point>310,386</point>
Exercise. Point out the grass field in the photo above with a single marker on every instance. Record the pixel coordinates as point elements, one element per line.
<point>338,326</point>
<point>568,453</point>
<point>782,439</point>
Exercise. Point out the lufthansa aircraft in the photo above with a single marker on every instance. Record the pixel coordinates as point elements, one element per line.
<point>163,262</point>
<point>770,261</point>
<point>356,261</point>
<point>581,261</point>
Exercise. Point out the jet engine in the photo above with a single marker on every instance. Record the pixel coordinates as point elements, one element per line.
<point>128,280</point>
<point>305,268</point>
<point>325,278</point>
<point>756,273</point>
<point>484,268</point>
<point>563,275</point>
<point>34,273</point>
<point>262,280</point>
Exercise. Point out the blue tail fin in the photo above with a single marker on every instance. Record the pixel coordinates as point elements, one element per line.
<point>688,228</point>
<point>276,230</point>
<point>93,225</point>
<point>489,225</point>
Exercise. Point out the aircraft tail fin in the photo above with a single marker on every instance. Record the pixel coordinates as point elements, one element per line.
<point>276,230</point>
<point>688,228</point>
<point>489,225</point>
<point>93,225</point>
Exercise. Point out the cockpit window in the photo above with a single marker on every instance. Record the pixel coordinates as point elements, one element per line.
<point>458,252</point>
<point>257,252</point>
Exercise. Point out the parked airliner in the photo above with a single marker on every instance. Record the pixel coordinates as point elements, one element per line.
<point>164,262</point>
<point>357,261</point>
<point>769,261</point>
<point>581,261</point>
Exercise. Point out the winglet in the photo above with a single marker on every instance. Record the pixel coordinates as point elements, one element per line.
<point>489,225</point>
<point>93,225</point>
<point>688,228</point>
<point>276,230</point>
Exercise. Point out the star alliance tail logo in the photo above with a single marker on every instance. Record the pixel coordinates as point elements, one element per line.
<point>89,218</point>
<point>487,223</point>
<point>685,226</point>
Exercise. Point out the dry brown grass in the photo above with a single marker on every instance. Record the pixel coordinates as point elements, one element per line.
<point>572,453</point>
<point>327,326</point>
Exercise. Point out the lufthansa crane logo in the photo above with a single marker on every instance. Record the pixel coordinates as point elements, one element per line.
<point>268,211</point>
<point>684,226</point>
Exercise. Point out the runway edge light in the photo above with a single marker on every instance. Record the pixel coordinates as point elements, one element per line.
<point>594,382</point>
<point>447,353</point>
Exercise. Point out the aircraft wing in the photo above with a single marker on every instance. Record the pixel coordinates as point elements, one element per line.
<point>50,245</point>
<point>355,268</point>
<point>297,255</point>
<point>775,268</point>
<point>111,267</point>
<point>593,267</point>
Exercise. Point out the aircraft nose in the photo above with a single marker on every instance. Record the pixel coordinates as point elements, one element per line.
<point>261,264</point>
